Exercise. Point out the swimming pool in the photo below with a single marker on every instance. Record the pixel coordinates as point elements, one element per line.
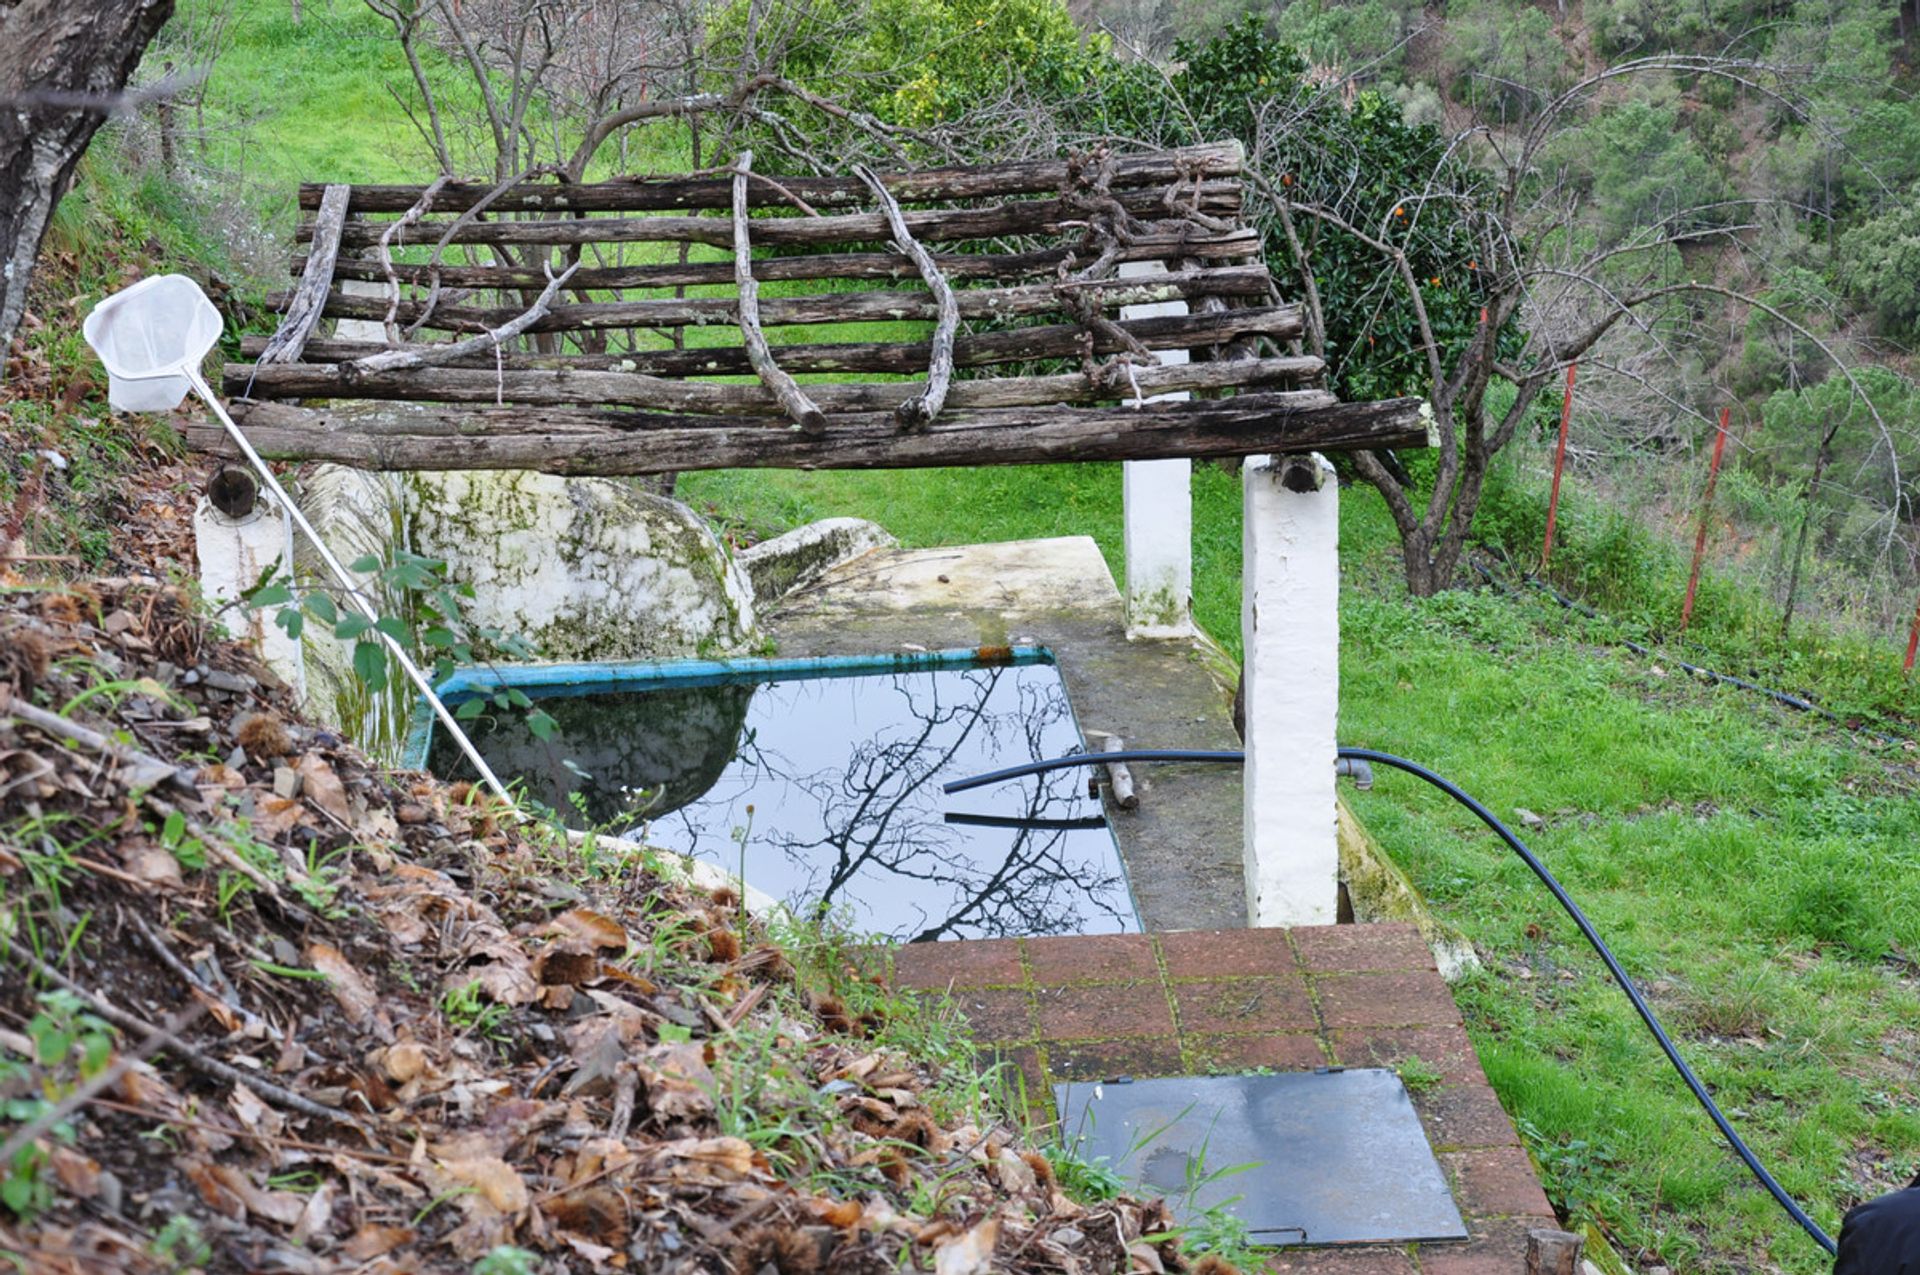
<point>821,778</point>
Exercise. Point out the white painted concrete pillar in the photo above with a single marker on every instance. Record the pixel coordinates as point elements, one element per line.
<point>233,553</point>
<point>361,329</point>
<point>1290,626</point>
<point>1158,499</point>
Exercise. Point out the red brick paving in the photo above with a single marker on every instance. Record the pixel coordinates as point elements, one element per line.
<point>1245,1004</point>
<point>1289,1052</point>
<point>1103,1010</point>
<point>1407,999</point>
<point>1223,953</point>
<point>1357,949</point>
<point>1498,1182</point>
<point>1101,1006</point>
<point>1092,958</point>
<point>1446,1049</point>
<point>990,963</point>
<point>1461,1116</point>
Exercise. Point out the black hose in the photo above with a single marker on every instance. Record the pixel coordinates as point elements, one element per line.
<point>1532,861</point>
<point>1234,757</point>
<point>1620,976</point>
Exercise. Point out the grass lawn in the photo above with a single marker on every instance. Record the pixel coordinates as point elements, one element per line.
<point>1759,872</point>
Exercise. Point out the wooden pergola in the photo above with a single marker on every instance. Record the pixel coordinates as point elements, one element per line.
<point>659,324</point>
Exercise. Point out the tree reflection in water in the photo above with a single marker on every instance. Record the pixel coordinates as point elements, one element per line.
<point>844,778</point>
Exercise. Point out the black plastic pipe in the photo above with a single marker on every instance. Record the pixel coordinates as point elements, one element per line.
<point>1519,847</point>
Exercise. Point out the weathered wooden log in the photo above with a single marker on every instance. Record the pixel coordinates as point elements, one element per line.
<point>563,442</point>
<point>666,194</point>
<point>1052,341</point>
<point>1202,248</point>
<point>1022,217</point>
<point>921,408</point>
<point>805,413</point>
<point>1553,1252</point>
<point>1018,300</point>
<point>310,298</point>
<point>585,387</point>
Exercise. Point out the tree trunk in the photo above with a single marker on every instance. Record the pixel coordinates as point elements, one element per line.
<point>1800,541</point>
<point>63,63</point>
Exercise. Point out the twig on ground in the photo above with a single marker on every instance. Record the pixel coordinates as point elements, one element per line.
<point>192,1056</point>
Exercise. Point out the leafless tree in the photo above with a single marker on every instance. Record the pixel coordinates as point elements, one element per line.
<point>63,67</point>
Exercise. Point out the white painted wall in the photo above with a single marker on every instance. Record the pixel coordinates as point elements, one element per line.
<point>232,553</point>
<point>1290,625</point>
<point>1158,499</point>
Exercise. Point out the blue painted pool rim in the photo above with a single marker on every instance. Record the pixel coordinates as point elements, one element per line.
<point>538,680</point>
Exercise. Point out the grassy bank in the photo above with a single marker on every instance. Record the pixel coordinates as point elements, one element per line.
<point>1756,868</point>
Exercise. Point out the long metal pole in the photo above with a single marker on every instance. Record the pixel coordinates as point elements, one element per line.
<point>354,597</point>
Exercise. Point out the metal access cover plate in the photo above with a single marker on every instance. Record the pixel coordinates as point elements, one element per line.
<point>1330,1157</point>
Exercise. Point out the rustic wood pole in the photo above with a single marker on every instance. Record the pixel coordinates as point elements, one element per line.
<point>1551,1252</point>
<point>806,415</point>
<point>1706,512</point>
<point>1559,464</point>
<point>920,410</point>
<point>1913,640</point>
<point>310,298</point>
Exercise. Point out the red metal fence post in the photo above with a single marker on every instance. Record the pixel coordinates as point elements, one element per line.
<point>1706,512</point>
<point>1559,463</point>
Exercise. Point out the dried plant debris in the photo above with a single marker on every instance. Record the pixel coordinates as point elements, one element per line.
<point>269,1008</point>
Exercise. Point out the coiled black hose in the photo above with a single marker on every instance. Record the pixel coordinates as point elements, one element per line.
<point>1532,861</point>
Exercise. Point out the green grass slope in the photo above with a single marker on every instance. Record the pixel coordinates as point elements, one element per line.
<point>1757,869</point>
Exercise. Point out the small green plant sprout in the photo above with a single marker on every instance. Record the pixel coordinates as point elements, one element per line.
<point>423,612</point>
<point>1417,1074</point>
<point>505,1259</point>
<point>179,1245</point>
<point>463,1008</point>
<point>175,839</point>
<point>69,1046</point>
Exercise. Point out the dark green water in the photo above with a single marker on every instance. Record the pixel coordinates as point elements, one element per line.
<point>843,779</point>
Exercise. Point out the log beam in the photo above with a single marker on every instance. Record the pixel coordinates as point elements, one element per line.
<point>605,443</point>
<point>1052,341</point>
<point>826,307</point>
<point>668,194</point>
<point>583,388</point>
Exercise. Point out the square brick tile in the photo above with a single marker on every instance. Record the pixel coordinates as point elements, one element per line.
<point>1493,1248</point>
<point>1358,949</point>
<point>1227,953</point>
<point>1459,1116</point>
<point>1446,1049</point>
<point>1103,1011</point>
<point>996,1015</point>
<point>1217,1006</point>
<point>1110,1059</point>
<point>1092,958</point>
<point>1281,1052</point>
<point>975,963</point>
<point>1342,1261</point>
<point>1408,999</point>
<point>1498,1182</point>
